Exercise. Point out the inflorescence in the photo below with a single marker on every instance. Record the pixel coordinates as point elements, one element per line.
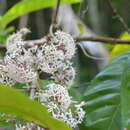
<point>23,65</point>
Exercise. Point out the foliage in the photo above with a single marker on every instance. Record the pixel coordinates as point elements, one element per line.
<point>5,34</point>
<point>27,6</point>
<point>125,95</point>
<point>81,29</point>
<point>18,104</point>
<point>120,49</point>
<point>107,95</point>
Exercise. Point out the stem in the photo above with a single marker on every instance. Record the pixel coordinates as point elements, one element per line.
<point>118,17</point>
<point>56,13</point>
<point>102,39</point>
<point>43,40</point>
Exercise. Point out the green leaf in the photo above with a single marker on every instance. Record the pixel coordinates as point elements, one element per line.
<point>81,28</point>
<point>75,94</point>
<point>103,109</point>
<point>5,33</point>
<point>13,102</point>
<point>120,49</point>
<point>6,125</point>
<point>125,96</point>
<point>27,6</point>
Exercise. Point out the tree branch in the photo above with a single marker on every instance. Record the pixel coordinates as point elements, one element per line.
<point>38,42</point>
<point>54,17</point>
<point>103,40</point>
<point>119,18</point>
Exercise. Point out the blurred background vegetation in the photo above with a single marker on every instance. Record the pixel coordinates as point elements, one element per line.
<point>95,13</point>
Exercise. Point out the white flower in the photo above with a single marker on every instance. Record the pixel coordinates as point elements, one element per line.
<point>28,126</point>
<point>56,98</point>
<point>52,55</point>
<point>20,127</point>
<point>19,61</point>
<point>80,112</point>
<point>20,71</point>
<point>4,77</point>
<point>65,75</point>
<point>48,58</point>
<point>33,50</point>
<point>23,64</point>
<point>57,94</point>
<point>72,118</point>
<point>65,43</point>
<point>15,40</point>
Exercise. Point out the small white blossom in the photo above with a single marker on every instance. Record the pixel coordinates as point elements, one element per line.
<point>65,43</point>
<point>15,40</point>
<point>52,55</point>
<point>48,58</point>
<point>65,75</point>
<point>59,103</point>
<point>28,126</point>
<point>20,71</point>
<point>4,78</point>
<point>19,62</point>
<point>33,50</point>
<point>57,94</point>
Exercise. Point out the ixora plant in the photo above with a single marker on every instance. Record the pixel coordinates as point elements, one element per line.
<point>23,64</point>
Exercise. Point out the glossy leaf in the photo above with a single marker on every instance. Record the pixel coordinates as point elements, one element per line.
<point>103,97</point>
<point>27,6</point>
<point>75,94</point>
<point>6,125</point>
<point>13,102</point>
<point>120,49</point>
<point>125,96</point>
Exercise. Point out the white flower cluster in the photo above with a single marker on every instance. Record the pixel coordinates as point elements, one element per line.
<point>22,65</point>
<point>61,106</point>
<point>53,57</point>
<point>4,77</point>
<point>20,70</point>
<point>64,74</point>
<point>64,43</point>
<point>48,58</point>
<point>19,62</point>
<point>58,93</point>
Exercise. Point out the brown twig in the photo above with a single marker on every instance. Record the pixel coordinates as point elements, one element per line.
<point>102,39</point>
<point>54,17</point>
<point>43,40</point>
<point>119,18</point>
